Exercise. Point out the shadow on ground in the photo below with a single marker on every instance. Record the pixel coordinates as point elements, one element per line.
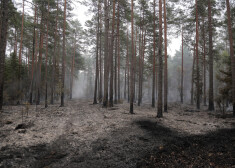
<point>145,143</point>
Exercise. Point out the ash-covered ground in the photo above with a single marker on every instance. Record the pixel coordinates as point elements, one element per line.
<point>82,135</point>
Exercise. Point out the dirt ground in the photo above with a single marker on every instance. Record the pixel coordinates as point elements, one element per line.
<point>82,135</point>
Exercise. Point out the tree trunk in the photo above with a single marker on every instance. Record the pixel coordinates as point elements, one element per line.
<point>159,108</point>
<point>197,55</point>
<point>46,104</point>
<point>118,36</point>
<point>33,55</point>
<point>154,53</point>
<point>166,66</point>
<point>204,64</point>
<point>111,59</point>
<point>72,69</point>
<point>192,84</point>
<point>132,60</point>
<point>211,60</point>
<point>54,57</point>
<point>231,53</point>
<point>3,41</point>
<point>21,38</point>
<point>100,62</point>
<point>182,70</point>
<point>126,67</point>
<point>97,56</point>
<point>63,58</point>
<point>106,55</point>
<point>115,73</point>
<point>40,61</point>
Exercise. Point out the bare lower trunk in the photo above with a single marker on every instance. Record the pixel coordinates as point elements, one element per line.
<point>106,69</point>
<point>204,64</point>
<point>97,56</point>
<point>54,57</point>
<point>3,41</point>
<point>72,70</point>
<point>197,56</point>
<point>132,60</point>
<point>46,104</point>
<point>182,70</point>
<point>192,84</point>
<point>159,107</point>
<point>63,59</point>
<point>154,53</point>
<point>211,60</point>
<point>166,66</point>
<point>111,59</point>
<point>33,55</point>
<point>231,53</point>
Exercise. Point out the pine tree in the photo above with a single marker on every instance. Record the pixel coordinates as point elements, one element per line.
<point>231,53</point>
<point>3,39</point>
<point>211,60</point>
<point>159,107</point>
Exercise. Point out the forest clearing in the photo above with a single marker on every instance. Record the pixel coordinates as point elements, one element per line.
<point>117,83</point>
<point>83,135</point>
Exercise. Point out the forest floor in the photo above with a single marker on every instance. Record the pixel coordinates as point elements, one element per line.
<point>82,135</point>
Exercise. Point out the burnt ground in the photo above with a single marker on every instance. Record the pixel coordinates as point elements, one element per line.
<point>86,135</point>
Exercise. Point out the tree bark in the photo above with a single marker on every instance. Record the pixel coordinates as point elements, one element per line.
<point>40,60</point>
<point>63,58</point>
<point>3,41</point>
<point>100,61</point>
<point>159,108</point>
<point>192,84</point>
<point>204,64</point>
<point>21,38</point>
<point>154,53</point>
<point>126,67</point>
<point>97,55</point>
<point>182,70</point>
<point>33,55</point>
<point>197,56</point>
<point>166,64</point>
<point>231,53</point>
<point>48,8</point>
<point>119,59</point>
<point>132,60</point>
<point>111,59</point>
<point>106,55</point>
<point>54,56</point>
<point>211,60</point>
<point>72,69</point>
